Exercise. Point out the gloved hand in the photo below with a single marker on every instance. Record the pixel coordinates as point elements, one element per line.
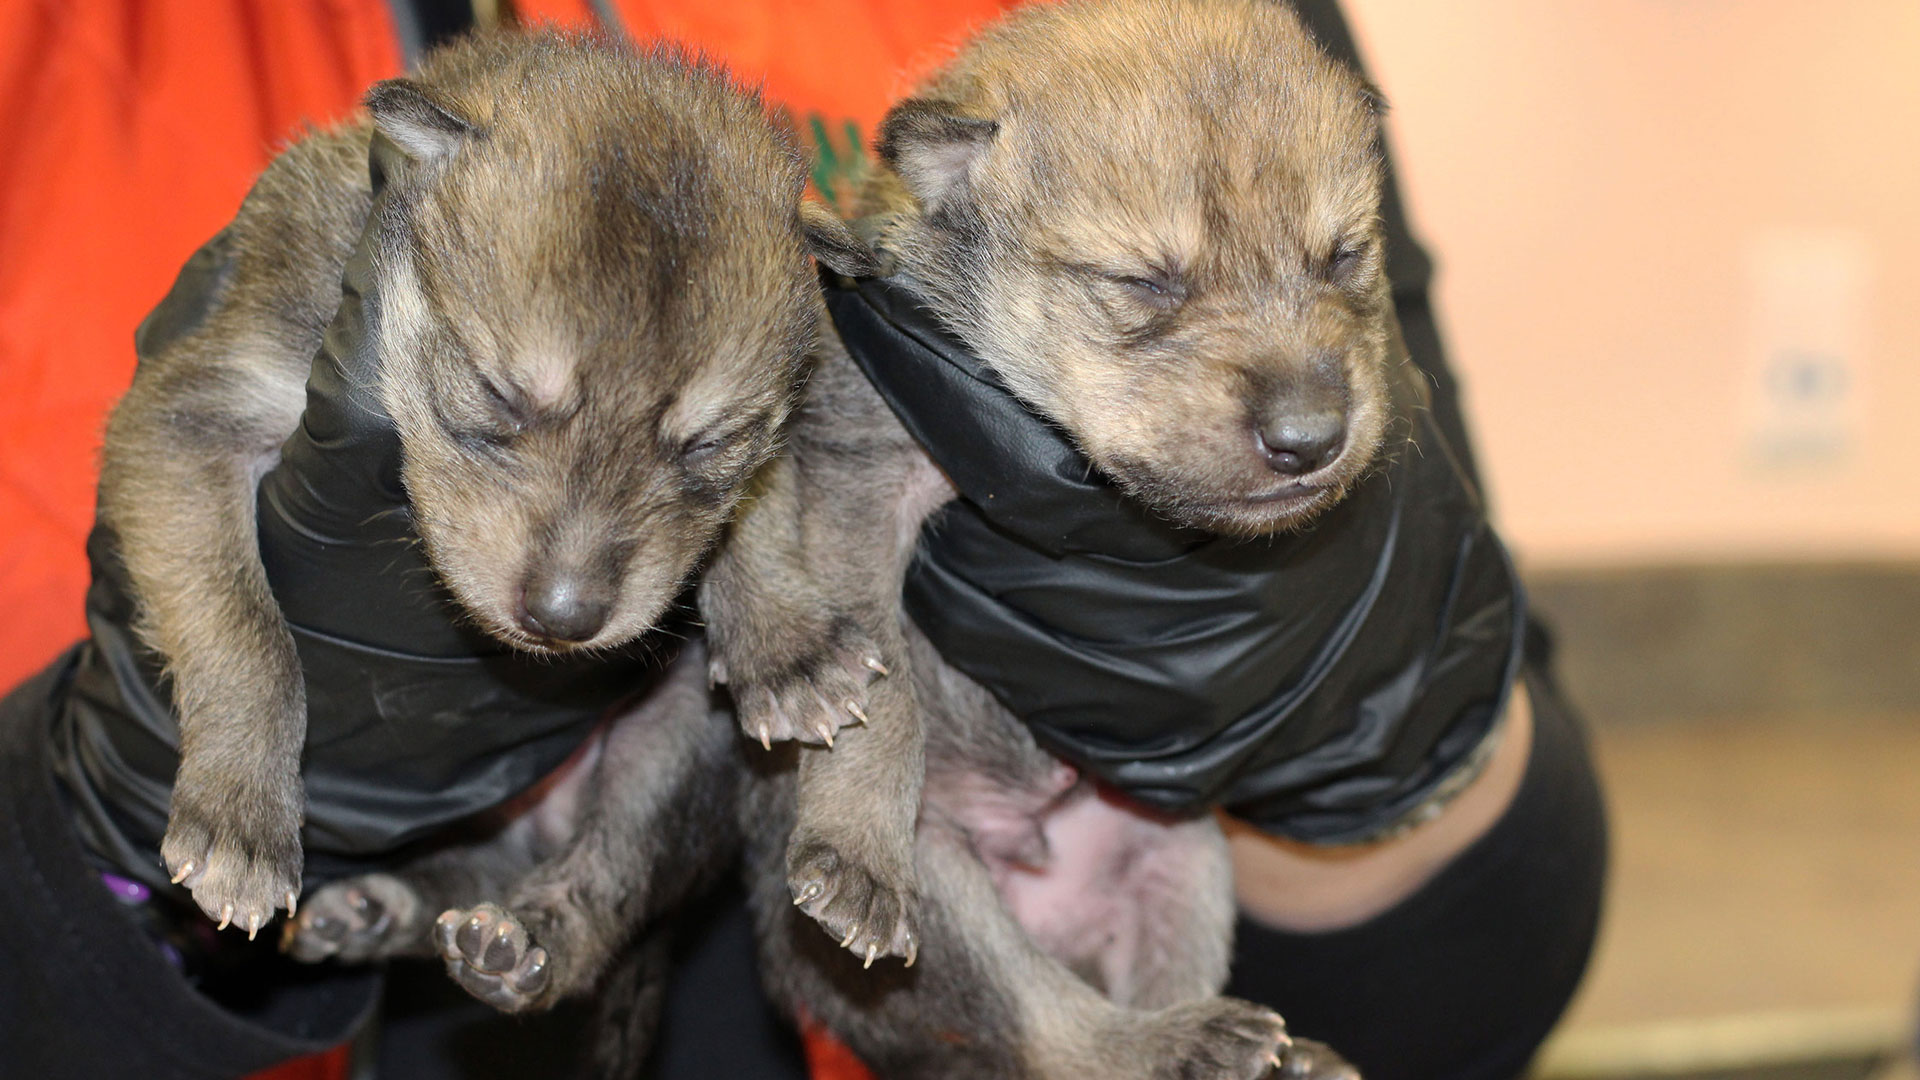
<point>415,719</point>
<point>1325,685</point>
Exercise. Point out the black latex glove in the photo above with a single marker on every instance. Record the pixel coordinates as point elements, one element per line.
<point>415,719</point>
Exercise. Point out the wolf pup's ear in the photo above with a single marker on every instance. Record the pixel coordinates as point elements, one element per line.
<point>420,121</point>
<point>834,244</point>
<point>933,148</point>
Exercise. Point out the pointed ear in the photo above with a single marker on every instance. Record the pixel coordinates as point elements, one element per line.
<point>832,242</point>
<point>933,148</point>
<point>420,121</point>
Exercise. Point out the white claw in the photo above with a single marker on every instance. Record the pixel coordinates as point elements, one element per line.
<point>180,875</point>
<point>871,950</point>
<point>873,663</point>
<point>293,903</point>
<point>826,735</point>
<point>766,738</point>
<point>913,951</point>
<point>226,917</point>
<point>253,926</point>
<point>812,890</point>
<point>859,713</point>
<point>851,934</point>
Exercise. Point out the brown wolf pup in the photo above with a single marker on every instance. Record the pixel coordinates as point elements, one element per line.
<point>596,305</point>
<point>1156,221</point>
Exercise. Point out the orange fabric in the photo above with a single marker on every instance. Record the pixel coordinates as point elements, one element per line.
<point>132,129</point>
<point>843,59</point>
<point>828,1058</point>
<point>332,1065</point>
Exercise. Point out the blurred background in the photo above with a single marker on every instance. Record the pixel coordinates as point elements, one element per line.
<point>1674,240</point>
<point>1675,259</point>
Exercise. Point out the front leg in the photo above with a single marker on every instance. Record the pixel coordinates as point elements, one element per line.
<point>183,453</point>
<point>802,606</point>
<point>797,663</point>
<point>233,826</point>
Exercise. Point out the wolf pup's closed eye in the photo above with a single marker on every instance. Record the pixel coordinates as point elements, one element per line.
<point>582,376</point>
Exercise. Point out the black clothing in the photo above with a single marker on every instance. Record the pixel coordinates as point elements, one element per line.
<point>84,992</point>
<point>1464,979</point>
<point>1322,684</point>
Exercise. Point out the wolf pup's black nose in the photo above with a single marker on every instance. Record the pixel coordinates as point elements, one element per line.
<point>561,607</point>
<point>1296,445</point>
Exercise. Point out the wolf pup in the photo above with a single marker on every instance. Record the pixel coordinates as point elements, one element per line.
<point>596,304</point>
<point>1156,223</point>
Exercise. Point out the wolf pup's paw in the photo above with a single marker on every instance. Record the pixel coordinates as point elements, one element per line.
<point>356,920</point>
<point>491,955</point>
<point>1309,1060</point>
<point>239,856</point>
<point>812,691</point>
<point>867,911</point>
<point>1216,1039</point>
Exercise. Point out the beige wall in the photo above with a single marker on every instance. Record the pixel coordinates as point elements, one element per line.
<point>1679,246</point>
